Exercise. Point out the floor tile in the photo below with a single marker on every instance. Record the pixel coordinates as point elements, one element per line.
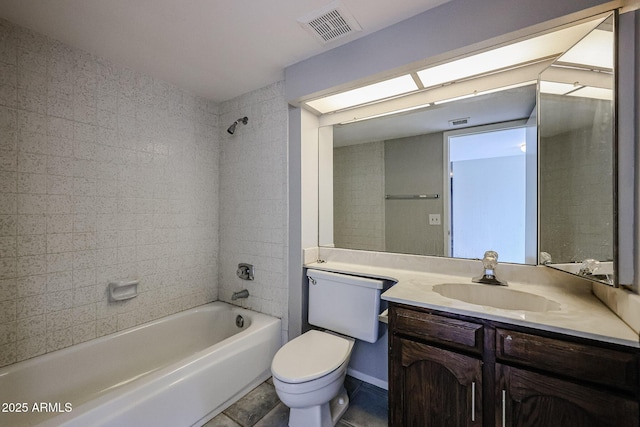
<point>255,405</point>
<point>352,385</point>
<point>261,408</point>
<point>367,407</point>
<point>221,420</point>
<point>278,417</point>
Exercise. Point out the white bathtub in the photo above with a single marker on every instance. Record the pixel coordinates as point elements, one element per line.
<point>177,371</point>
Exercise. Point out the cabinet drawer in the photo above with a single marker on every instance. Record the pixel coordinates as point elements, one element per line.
<point>584,362</point>
<point>438,329</point>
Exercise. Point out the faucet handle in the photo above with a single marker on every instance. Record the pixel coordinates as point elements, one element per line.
<point>589,267</point>
<point>488,276</point>
<point>490,260</point>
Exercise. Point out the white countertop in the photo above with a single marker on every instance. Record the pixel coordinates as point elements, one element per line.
<point>580,314</point>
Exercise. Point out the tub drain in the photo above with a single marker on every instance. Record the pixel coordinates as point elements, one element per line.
<point>239,321</point>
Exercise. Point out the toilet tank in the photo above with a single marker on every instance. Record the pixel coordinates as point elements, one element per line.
<point>345,304</point>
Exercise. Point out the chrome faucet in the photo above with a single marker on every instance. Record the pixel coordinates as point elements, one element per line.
<point>589,267</point>
<point>488,277</point>
<point>240,294</point>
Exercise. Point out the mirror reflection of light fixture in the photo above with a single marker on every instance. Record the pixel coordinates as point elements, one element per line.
<point>443,101</point>
<point>485,92</point>
<point>593,51</point>
<point>576,90</point>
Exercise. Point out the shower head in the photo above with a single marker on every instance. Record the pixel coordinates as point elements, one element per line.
<point>242,120</point>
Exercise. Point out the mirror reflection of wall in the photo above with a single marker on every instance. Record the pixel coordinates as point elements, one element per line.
<point>413,167</point>
<point>576,155</point>
<point>576,180</point>
<point>358,204</point>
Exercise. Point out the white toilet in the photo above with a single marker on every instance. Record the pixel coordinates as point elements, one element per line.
<point>309,371</point>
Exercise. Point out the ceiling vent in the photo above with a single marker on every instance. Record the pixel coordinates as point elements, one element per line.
<point>459,122</point>
<point>330,23</point>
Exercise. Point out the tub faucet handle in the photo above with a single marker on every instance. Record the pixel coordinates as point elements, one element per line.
<point>245,271</point>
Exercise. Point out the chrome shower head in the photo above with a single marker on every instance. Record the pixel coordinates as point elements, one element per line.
<point>232,128</point>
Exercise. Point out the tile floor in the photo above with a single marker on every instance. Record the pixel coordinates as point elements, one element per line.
<point>262,408</point>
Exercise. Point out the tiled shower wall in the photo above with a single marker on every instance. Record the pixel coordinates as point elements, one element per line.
<point>105,174</point>
<point>253,199</point>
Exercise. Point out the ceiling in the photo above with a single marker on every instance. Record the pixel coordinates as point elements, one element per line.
<point>213,48</point>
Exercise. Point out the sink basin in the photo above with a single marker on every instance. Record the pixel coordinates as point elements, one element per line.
<point>496,296</point>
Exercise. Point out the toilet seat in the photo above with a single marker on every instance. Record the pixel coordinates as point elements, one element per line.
<point>310,356</point>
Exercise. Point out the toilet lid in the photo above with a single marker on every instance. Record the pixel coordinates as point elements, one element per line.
<point>311,355</point>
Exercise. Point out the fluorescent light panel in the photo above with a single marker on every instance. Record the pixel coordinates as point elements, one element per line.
<point>374,92</point>
<point>592,51</point>
<point>388,113</point>
<point>593,93</point>
<point>556,88</point>
<point>568,89</point>
<point>502,57</point>
<point>485,92</point>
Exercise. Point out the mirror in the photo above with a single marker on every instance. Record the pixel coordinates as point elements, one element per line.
<point>576,132</point>
<point>390,183</point>
<point>392,175</point>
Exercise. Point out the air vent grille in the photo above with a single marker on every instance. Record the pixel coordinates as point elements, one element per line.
<point>330,23</point>
<point>459,122</point>
<point>330,26</point>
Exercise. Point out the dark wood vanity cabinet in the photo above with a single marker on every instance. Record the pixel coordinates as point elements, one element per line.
<point>451,370</point>
<point>441,387</point>
<point>529,399</point>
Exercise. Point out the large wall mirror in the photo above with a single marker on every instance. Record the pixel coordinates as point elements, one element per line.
<point>462,174</point>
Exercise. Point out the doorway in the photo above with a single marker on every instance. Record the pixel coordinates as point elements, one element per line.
<point>487,190</point>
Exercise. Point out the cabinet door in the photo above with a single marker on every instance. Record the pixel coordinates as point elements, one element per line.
<point>431,387</point>
<point>525,398</point>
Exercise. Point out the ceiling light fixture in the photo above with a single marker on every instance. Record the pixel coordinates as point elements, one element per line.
<point>362,95</point>
<point>509,57</point>
<point>526,51</point>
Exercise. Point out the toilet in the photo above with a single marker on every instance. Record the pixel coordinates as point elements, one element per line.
<point>309,371</point>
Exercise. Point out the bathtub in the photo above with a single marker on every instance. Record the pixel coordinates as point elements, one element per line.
<point>180,370</point>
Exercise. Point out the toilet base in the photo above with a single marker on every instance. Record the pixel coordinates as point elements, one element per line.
<point>325,415</point>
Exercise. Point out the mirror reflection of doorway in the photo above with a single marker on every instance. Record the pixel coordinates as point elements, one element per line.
<point>487,192</point>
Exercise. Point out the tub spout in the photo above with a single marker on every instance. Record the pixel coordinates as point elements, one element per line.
<point>241,294</point>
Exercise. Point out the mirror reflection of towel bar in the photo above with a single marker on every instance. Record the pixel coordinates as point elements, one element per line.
<point>411,196</point>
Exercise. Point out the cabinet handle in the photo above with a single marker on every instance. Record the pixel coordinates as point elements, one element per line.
<point>473,401</point>
<point>504,408</point>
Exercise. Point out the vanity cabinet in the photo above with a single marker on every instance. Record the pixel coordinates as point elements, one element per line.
<point>453,370</point>
<point>530,399</point>
<point>442,388</point>
<point>432,385</point>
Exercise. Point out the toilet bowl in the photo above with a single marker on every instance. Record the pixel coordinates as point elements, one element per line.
<point>309,371</point>
<point>308,375</point>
